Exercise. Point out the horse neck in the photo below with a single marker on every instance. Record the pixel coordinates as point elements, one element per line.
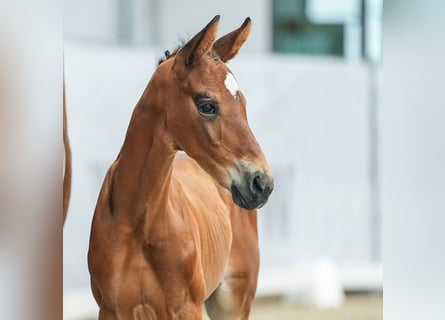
<point>144,166</point>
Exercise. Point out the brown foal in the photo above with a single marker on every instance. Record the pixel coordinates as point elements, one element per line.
<point>173,231</point>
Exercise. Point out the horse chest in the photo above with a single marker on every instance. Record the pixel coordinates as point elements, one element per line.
<point>190,245</point>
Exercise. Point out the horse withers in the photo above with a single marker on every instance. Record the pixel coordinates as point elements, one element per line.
<point>174,231</point>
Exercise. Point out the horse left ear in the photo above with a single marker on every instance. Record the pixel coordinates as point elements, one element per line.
<point>198,46</point>
<point>228,46</point>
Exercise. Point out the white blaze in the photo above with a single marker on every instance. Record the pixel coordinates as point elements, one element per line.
<point>231,84</point>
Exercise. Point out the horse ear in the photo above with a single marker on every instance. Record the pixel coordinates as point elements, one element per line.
<point>199,45</point>
<point>228,46</point>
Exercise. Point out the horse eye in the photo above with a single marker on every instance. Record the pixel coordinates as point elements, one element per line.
<point>207,108</point>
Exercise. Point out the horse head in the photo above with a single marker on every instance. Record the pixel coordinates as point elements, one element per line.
<point>205,113</point>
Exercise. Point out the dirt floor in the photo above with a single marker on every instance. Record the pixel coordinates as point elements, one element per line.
<point>356,307</point>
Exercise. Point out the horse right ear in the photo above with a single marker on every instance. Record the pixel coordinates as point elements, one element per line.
<point>199,45</point>
<point>228,46</point>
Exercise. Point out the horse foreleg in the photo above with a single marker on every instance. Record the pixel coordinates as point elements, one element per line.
<point>96,293</point>
<point>234,296</point>
<point>105,314</point>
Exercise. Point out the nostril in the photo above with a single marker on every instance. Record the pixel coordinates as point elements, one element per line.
<point>258,184</point>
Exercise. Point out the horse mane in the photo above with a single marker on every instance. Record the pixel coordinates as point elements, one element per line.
<point>168,54</point>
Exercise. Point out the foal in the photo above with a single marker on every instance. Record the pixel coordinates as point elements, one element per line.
<point>172,231</point>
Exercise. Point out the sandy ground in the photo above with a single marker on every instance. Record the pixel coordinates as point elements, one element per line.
<point>356,307</point>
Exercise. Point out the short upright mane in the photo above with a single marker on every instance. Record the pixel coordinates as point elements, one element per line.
<point>168,54</point>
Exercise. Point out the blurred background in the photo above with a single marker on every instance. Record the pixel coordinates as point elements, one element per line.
<point>311,74</point>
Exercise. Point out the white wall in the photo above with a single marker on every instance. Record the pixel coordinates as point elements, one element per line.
<point>413,159</point>
<point>175,23</point>
<point>145,20</point>
<point>90,21</point>
<point>165,23</point>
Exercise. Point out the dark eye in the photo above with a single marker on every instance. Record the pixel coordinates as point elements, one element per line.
<point>207,108</point>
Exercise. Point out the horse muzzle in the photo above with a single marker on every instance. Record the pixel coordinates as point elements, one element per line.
<point>252,191</point>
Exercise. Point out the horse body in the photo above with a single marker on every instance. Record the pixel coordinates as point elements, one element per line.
<point>185,244</point>
<point>173,231</point>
